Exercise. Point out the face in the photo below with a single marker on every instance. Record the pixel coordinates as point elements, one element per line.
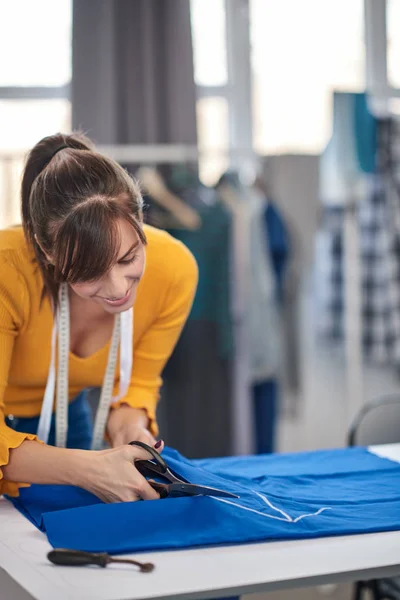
<point>116,290</point>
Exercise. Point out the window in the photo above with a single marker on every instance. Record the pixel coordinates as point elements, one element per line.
<point>212,122</point>
<point>35,42</point>
<point>24,122</point>
<point>211,77</point>
<point>301,53</point>
<point>393,42</point>
<point>209,42</point>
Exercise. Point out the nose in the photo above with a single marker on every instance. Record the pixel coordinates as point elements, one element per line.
<point>115,286</point>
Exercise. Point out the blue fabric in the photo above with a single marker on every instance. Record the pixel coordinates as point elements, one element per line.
<point>278,243</point>
<point>265,403</point>
<point>366,134</point>
<point>80,424</point>
<point>293,496</point>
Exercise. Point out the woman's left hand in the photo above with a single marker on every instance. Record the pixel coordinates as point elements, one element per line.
<point>126,424</point>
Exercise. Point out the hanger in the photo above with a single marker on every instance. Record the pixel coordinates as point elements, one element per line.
<point>228,195</point>
<point>155,186</point>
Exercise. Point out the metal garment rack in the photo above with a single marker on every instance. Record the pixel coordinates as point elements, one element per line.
<point>150,153</point>
<point>380,96</point>
<point>170,153</point>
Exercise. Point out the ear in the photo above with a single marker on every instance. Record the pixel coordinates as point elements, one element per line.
<point>48,258</point>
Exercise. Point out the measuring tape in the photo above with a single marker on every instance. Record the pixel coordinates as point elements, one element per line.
<point>122,337</point>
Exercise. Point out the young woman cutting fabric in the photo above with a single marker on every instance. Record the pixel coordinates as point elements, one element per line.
<point>71,281</point>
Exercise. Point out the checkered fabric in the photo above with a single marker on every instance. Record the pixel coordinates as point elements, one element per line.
<point>330,275</point>
<point>379,226</point>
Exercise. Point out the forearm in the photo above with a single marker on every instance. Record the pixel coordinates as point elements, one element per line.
<point>109,474</point>
<point>33,462</point>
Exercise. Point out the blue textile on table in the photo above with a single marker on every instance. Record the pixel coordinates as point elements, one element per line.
<point>289,496</point>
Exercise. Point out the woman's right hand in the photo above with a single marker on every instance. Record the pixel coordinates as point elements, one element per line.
<point>112,476</point>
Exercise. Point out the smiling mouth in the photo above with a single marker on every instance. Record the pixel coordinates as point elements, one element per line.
<point>117,301</point>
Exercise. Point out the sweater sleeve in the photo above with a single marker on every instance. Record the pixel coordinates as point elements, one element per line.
<point>158,342</point>
<point>13,307</point>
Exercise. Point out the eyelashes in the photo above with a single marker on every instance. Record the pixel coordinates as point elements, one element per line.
<point>128,261</point>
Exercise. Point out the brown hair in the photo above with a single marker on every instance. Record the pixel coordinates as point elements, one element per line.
<point>72,197</point>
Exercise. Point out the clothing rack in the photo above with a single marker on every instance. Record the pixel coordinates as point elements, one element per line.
<point>352,312</point>
<point>170,153</point>
<point>380,107</point>
<point>150,153</point>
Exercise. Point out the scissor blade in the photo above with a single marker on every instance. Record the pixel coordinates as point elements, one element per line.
<point>190,489</point>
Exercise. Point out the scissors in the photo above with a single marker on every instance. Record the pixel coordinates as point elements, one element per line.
<point>157,467</point>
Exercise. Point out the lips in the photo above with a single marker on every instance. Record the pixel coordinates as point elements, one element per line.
<point>117,301</point>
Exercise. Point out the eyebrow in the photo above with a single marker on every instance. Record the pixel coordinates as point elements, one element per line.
<point>133,247</point>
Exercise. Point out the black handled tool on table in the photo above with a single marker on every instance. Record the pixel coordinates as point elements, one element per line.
<point>157,467</point>
<point>76,558</point>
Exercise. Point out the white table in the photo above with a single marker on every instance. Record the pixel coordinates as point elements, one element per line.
<point>25,572</point>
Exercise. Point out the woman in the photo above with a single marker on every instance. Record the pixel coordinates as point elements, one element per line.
<point>69,280</point>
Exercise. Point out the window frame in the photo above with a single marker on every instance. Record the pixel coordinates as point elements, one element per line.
<point>237,92</point>
<point>35,92</point>
<point>376,43</point>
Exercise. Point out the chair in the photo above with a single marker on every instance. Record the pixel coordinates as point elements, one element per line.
<point>378,422</point>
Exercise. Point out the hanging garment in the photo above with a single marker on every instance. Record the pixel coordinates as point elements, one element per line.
<point>198,388</point>
<point>344,164</point>
<point>379,223</point>
<point>263,317</point>
<point>258,355</point>
<point>198,377</point>
<point>342,179</point>
<point>278,245</point>
<point>380,282</point>
<point>330,272</point>
<point>266,394</point>
<point>366,134</point>
<point>296,496</point>
<point>210,245</point>
<point>265,411</point>
<point>253,283</point>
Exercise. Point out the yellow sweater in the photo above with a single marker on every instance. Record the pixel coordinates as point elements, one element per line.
<point>163,301</point>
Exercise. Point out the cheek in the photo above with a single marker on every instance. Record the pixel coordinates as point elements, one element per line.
<point>141,265</point>
<point>138,267</point>
<point>85,290</point>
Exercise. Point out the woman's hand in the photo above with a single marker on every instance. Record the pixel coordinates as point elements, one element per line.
<point>109,474</point>
<point>112,476</point>
<point>126,424</point>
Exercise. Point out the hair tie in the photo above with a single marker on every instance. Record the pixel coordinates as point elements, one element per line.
<point>58,150</point>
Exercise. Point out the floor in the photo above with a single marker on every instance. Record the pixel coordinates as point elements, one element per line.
<point>339,592</point>
<point>322,411</point>
<point>320,416</point>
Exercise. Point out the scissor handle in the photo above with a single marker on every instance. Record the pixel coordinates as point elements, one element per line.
<point>160,488</point>
<point>154,454</point>
<point>148,468</point>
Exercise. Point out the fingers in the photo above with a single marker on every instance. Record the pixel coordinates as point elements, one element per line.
<point>145,490</point>
<point>133,453</point>
<point>146,437</point>
<point>126,435</point>
<point>159,446</point>
<point>142,486</point>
